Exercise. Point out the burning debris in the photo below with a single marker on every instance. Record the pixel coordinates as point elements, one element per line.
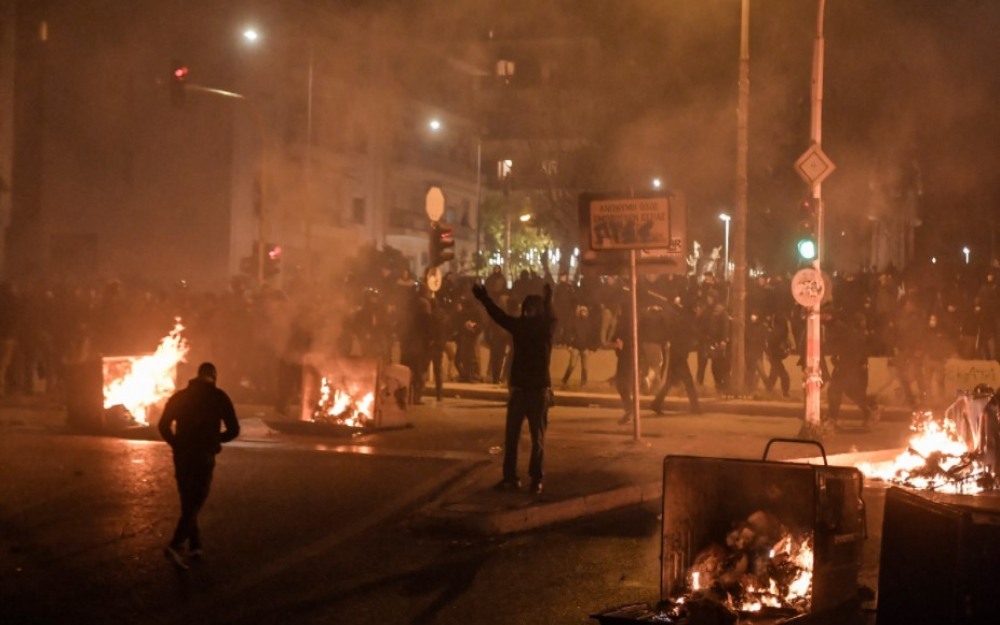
<point>136,386</point>
<point>954,453</point>
<point>762,567</point>
<point>351,408</point>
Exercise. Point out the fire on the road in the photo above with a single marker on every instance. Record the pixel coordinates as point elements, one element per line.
<point>937,458</point>
<point>141,383</point>
<point>352,408</point>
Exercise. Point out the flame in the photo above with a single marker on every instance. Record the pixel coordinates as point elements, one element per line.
<point>937,459</point>
<point>783,579</point>
<point>344,407</point>
<point>149,380</point>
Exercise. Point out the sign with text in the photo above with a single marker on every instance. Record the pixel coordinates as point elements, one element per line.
<point>612,224</point>
<point>630,223</point>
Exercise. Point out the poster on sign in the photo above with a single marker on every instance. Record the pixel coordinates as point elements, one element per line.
<point>652,224</point>
<point>630,223</point>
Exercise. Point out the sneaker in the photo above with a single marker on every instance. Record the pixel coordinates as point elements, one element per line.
<point>657,408</point>
<point>507,485</point>
<point>196,553</point>
<point>626,418</point>
<point>536,487</point>
<point>175,557</point>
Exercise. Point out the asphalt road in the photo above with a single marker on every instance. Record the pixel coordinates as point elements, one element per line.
<point>299,531</point>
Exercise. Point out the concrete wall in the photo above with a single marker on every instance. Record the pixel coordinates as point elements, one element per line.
<point>960,375</point>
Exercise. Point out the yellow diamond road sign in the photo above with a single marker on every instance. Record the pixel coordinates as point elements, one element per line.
<point>814,166</point>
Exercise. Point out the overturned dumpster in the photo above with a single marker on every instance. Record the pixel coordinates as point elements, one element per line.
<point>346,396</point>
<point>124,395</point>
<point>755,542</point>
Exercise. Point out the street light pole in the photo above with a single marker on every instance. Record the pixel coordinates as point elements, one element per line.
<point>725,272</point>
<point>479,205</point>
<point>308,169</point>
<point>740,248</point>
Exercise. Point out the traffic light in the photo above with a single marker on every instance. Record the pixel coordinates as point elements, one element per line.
<point>272,260</point>
<point>442,245</point>
<point>178,82</point>
<point>807,236</point>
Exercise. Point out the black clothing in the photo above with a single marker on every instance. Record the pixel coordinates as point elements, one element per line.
<point>531,337</point>
<point>683,339</point>
<point>196,412</point>
<point>191,426</point>
<point>532,340</point>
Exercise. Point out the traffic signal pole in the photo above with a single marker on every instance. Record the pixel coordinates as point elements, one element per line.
<point>814,378</point>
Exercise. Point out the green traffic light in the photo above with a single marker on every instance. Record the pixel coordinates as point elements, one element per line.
<point>807,249</point>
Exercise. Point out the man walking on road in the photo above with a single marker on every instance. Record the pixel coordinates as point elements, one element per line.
<point>191,426</point>
<point>530,386</point>
<point>683,339</point>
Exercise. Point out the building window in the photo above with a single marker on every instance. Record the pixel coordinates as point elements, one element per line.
<point>550,167</point>
<point>505,69</point>
<point>358,211</point>
<point>504,168</point>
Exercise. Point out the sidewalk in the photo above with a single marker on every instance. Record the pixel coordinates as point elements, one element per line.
<point>594,397</point>
<point>593,464</point>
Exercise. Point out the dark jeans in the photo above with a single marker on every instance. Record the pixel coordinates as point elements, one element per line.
<point>534,405</point>
<point>678,373</point>
<point>193,472</point>
<point>778,372</point>
<point>854,384</point>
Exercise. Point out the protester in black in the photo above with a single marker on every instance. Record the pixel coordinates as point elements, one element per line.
<point>530,386</point>
<point>191,426</point>
<point>683,338</point>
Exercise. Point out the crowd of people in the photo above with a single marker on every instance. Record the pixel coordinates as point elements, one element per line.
<point>917,318</point>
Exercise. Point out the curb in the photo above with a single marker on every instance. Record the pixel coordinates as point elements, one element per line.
<point>672,404</point>
<point>535,516</point>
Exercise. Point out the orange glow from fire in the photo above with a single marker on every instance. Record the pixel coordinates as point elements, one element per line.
<point>936,459</point>
<point>346,407</point>
<point>149,380</point>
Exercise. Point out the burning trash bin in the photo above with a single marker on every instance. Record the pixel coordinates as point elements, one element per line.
<point>955,452</point>
<point>122,393</point>
<point>349,395</point>
<point>755,542</point>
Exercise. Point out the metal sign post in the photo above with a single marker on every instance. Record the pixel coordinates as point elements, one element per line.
<point>648,224</point>
<point>634,311</point>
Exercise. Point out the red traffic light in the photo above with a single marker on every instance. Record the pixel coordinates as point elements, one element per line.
<point>180,73</point>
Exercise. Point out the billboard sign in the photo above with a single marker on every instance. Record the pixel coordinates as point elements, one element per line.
<point>654,224</point>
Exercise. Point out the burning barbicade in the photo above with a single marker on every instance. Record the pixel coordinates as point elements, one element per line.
<point>762,565</point>
<point>344,406</point>
<point>135,386</point>
<point>948,454</point>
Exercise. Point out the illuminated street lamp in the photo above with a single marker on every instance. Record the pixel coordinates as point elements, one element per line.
<point>657,183</point>
<point>726,218</point>
<point>251,35</point>
<point>966,251</point>
<point>525,218</point>
<point>435,124</point>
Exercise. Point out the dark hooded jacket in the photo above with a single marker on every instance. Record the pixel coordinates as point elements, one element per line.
<point>197,412</point>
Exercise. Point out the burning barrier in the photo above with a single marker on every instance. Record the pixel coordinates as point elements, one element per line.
<point>124,393</point>
<point>755,542</point>
<point>955,453</point>
<point>762,569</point>
<point>136,386</point>
<point>345,405</point>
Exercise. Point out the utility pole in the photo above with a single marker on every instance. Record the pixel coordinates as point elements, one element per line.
<point>814,379</point>
<point>739,284</point>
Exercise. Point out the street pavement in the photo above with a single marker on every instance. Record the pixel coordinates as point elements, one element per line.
<point>593,463</point>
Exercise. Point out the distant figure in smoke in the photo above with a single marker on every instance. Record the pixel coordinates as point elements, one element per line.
<point>191,426</point>
<point>530,387</point>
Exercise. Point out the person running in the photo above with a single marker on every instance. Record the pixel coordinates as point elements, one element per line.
<point>530,386</point>
<point>191,426</point>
